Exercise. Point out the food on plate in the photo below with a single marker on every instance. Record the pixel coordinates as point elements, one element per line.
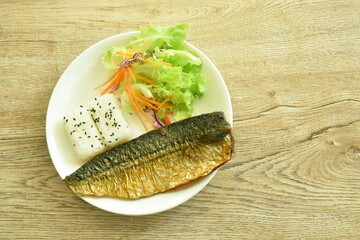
<point>109,120</point>
<point>96,126</point>
<point>155,71</point>
<point>83,133</point>
<point>158,160</point>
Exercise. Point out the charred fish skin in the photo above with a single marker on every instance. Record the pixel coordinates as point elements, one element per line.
<point>158,160</point>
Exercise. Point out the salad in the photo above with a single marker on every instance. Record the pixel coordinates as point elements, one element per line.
<point>154,75</point>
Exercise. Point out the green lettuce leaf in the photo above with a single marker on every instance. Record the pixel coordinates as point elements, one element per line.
<point>181,81</point>
<point>183,88</point>
<point>158,36</point>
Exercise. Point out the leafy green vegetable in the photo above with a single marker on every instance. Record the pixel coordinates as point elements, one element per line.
<point>158,36</point>
<point>158,60</point>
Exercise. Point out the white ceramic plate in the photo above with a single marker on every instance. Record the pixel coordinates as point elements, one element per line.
<point>76,87</point>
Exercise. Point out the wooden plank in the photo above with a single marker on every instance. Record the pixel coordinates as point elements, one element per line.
<point>292,69</point>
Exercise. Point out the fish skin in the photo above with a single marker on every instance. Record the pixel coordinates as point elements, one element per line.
<point>158,160</point>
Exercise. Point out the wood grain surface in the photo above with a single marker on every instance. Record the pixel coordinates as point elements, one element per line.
<point>293,72</point>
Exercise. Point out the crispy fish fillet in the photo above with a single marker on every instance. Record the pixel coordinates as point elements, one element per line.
<point>158,160</point>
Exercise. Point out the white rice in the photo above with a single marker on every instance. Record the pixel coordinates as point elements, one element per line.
<point>83,134</point>
<point>109,119</point>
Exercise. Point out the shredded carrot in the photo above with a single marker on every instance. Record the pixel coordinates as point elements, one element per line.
<point>107,89</point>
<point>140,109</point>
<point>137,111</point>
<point>167,120</point>
<point>166,63</point>
<point>114,83</point>
<point>132,74</point>
<point>163,103</point>
<point>141,47</point>
<point>146,103</point>
<point>110,78</point>
<point>124,54</point>
<point>158,104</point>
<point>137,100</point>
<point>136,107</point>
<point>145,79</point>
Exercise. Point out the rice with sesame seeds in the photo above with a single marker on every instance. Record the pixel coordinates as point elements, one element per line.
<point>81,135</point>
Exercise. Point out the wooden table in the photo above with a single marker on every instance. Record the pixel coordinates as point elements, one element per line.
<point>293,72</point>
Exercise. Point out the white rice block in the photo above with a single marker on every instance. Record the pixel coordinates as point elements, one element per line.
<point>83,134</point>
<point>109,119</point>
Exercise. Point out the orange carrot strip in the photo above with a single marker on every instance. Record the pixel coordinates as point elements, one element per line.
<point>132,74</point>
<point>163,103</point>
<point>124,53</point>
<point>145,99</point>
<point>167,120</point>
<point>107,89</point>
<point>166,63</point>
<point>114,84</point>
<point>145,79</point>
<point>136,105</point>
<point>110,78</point>
<point>146,103</point>
<point>142,111</point>
<point>136,108</point>
<point>141,47</point>
<point>156,102</point>
<point>148,118</point>
<point>137,111</point>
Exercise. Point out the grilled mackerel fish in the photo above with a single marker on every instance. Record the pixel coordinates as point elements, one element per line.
<point>158,160</point>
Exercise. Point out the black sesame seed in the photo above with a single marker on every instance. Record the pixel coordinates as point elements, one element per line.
<point>95,99</point>
<point>80,113</point>
<point>74,144</point>
<point>88,136</point>
<point>109,103</point>
<point>74,119</point>
<point>92,145</point>
<point>66,120</point>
